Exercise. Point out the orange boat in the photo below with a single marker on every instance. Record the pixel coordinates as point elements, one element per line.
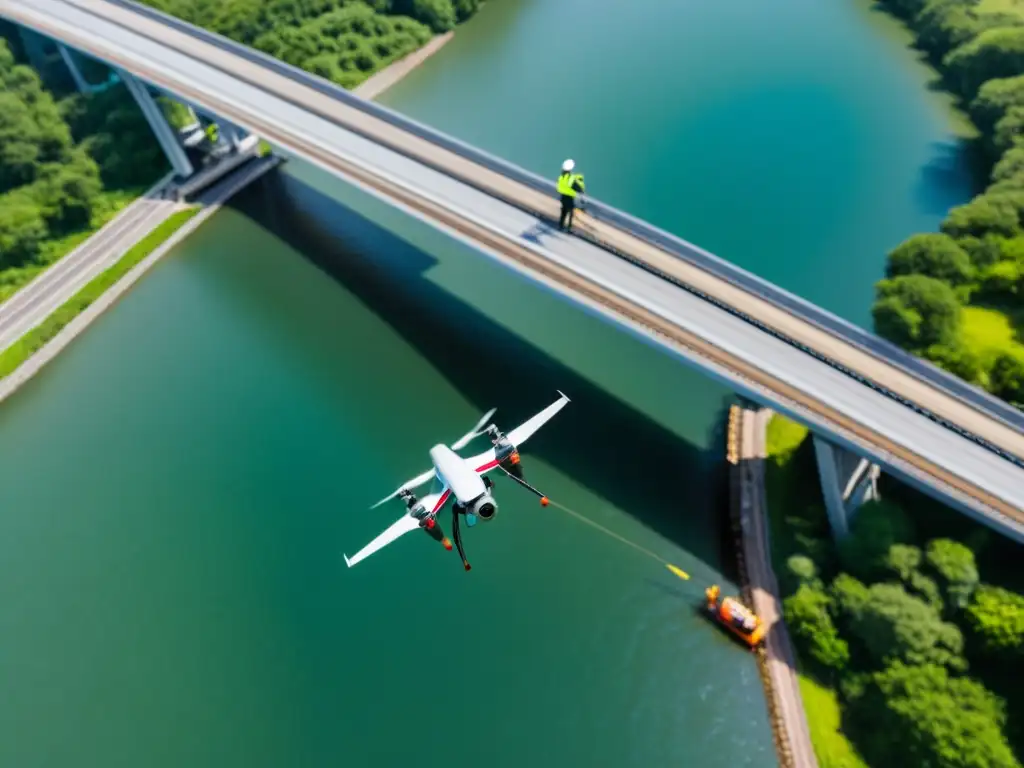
<point>736,617</point>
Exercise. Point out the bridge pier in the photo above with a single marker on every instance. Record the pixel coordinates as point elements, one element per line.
<point>158,122</point>
<point>237,137</point>
<point>847,481</point>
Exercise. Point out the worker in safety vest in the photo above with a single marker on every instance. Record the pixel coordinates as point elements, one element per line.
<point>569,185</point>
<point>212,133</point>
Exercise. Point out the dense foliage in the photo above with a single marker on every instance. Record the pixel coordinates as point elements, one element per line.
<point>61,153</point>
<point>58,158</point>
<point>344,41</point>
<point>895,618</point>
<point>977,262</point>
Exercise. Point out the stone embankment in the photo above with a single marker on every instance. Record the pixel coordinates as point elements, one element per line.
<point>746,451</point>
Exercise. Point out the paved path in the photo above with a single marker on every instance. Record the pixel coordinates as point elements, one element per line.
<point>36,301</point>
<point>787,705</point>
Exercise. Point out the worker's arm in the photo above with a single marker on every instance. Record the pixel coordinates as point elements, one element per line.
<point>578,185</point>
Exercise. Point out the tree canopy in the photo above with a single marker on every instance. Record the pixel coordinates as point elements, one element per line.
<point>922,715</point>
<point>916,311</point>
<point>934,255</point>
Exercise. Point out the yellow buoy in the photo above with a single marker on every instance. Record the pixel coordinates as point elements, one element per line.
<point>678,571</point>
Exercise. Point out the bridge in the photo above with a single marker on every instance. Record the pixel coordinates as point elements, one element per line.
<point>870,405</point>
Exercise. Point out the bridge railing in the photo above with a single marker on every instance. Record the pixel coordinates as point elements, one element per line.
<point>668,242</point>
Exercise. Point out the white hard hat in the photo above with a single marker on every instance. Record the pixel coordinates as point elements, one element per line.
<point>568,165</point>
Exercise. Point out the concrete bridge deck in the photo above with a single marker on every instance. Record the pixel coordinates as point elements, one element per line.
<point>919,424</point>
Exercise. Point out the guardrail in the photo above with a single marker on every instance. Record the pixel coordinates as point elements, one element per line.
<point>668,242</point>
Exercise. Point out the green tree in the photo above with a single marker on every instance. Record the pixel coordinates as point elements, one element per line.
<point>935,255</point>
<point>982,251</point>
<point>439,15</point>
<point>916,311</point>
<point>112,128</point>
<point>958,358</point>
<point>807,614</point>
<point>877,526</point>
<point>906,9</point>
<point>465,8</point>
<point>22,229</point>
<point>1007,378</point>
<point>995,214</point>
<point>1011,249</point>
<point>995,616</point>
<point>993,101</point>
<point>943,25</point>
<point>904,561</point>
<point>32,131</point>
<point>1011,164</point>
<point>803,569</point>
<point>1001,281</point>
<point>995,53</point>
<point>892,625</point>
<point>1008,130</point>
<point>957,573</point>
<point>922,716</point>
<point>849,596</point>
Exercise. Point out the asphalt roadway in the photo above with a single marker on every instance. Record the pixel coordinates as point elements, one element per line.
<point>653,293</point>
<point>33,303</point>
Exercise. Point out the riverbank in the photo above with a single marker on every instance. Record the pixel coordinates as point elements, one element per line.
<point>746,452</point>
<point>112,205</point>
<point>893,607</point>
<point>955,297</point>
<point>387,77</point>
<point>27,356</point>
<point>62,279</point>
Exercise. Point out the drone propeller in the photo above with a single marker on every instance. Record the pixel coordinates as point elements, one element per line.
<point>475,432</point>
<point>414,483</point>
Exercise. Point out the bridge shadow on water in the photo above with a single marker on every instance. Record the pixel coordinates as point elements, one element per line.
<point>670,485</point>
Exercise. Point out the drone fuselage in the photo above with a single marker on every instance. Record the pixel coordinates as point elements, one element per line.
<point>465,484</point>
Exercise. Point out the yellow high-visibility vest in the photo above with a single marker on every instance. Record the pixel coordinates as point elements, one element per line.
<point>566,182</point>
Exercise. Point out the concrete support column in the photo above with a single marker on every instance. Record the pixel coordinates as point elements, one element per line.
<point>36,49</point>
<point>239,138</point>
<point>158,122</point>
<point>847,481</point>
<point>76,74</point>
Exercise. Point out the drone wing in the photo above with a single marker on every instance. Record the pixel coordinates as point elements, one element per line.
<point>434,502</point>
<point>485,462</point>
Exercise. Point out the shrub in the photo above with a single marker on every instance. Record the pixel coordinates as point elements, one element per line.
<point>808,618</point>
<point>935,255</point>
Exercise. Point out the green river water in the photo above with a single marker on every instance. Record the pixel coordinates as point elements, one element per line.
<point>179,486</point>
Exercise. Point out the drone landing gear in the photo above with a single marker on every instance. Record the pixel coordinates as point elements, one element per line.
<point>457,510</point>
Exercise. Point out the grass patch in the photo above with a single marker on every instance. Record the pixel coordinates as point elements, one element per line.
<point>989,333</point>
<point>107,207</point>
<point>31,342</point>
<point>783,438</point>
<point>797,522</point>
<point>831,746</point>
